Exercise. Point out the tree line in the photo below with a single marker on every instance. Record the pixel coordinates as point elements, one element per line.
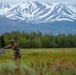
<point>38,40</point>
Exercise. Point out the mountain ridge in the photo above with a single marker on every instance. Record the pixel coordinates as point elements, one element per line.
<point>36,16</point>
<point>38,11</point>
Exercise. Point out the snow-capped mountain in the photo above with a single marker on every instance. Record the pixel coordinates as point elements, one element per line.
<point>38,16</point>
<point>38,12</point>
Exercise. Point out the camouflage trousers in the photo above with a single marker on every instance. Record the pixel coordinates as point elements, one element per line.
<point>17,55</point>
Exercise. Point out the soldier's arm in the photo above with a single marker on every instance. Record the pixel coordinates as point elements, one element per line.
<point>7,46</point>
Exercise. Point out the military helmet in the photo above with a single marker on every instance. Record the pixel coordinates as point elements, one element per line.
<point>12,40</point>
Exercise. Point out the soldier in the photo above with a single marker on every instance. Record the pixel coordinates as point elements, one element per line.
<point>16,49</point>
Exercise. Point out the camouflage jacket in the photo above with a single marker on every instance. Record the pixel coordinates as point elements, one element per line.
<point>15,47</point>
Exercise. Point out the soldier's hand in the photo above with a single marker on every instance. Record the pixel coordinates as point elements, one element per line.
<point>2,48</point>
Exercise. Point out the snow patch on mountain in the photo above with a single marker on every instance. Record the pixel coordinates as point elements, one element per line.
<point>36,12</point>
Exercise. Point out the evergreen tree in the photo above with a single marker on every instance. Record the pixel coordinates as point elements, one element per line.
<point>38,40</point>
<point>2,41</point>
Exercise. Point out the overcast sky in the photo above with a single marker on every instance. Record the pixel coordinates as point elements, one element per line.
<point>49,1</point>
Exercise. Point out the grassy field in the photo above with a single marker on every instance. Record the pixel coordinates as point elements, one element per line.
<point>58,61</point>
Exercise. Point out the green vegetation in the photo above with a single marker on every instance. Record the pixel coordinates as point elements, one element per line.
<point>53,61</point>
<point>39,40</point>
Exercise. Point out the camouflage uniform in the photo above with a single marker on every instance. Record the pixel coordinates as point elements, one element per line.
<point>16,50</point>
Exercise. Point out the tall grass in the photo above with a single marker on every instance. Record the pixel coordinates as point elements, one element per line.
<point>39,62</point>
